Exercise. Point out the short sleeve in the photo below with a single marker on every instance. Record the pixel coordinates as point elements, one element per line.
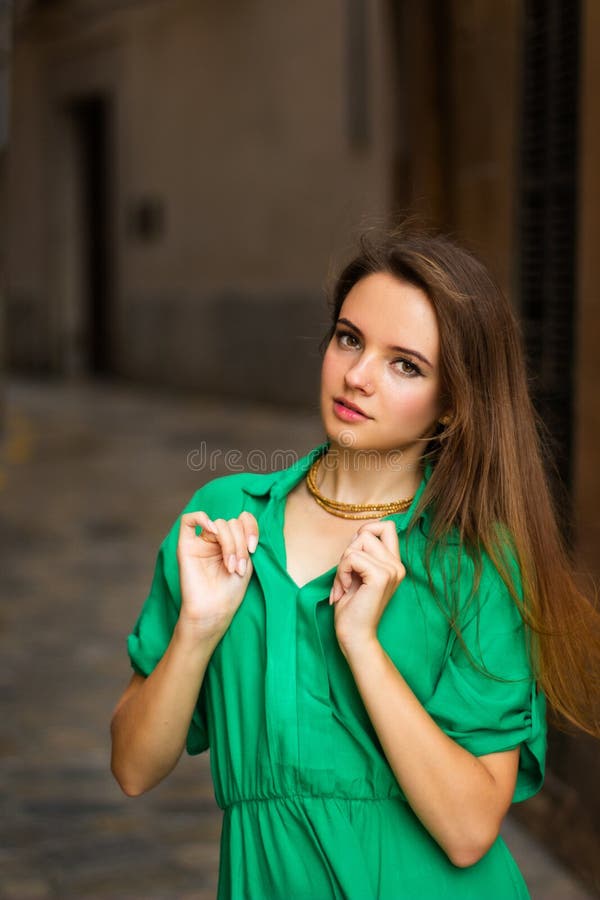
<point>156,622</point>
<point>499,708</point>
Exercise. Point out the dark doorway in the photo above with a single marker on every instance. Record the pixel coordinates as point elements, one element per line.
<point>92,117</point>
<point>547,226</point>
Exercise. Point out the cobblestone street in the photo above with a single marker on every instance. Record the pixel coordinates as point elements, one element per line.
<point>92,476</point>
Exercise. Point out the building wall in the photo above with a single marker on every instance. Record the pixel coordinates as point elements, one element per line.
<point>461,121</point>
<point>231,133</point>
<point>5,56</point>
<point>567,816</point>
<point>587,438</point>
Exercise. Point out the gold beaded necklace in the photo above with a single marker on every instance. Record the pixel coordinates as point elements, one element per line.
<point>352,510</point>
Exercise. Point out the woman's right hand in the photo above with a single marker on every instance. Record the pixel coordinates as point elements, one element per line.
<point>214,571</point>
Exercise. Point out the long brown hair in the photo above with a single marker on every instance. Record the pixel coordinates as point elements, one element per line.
<point>488,463</point>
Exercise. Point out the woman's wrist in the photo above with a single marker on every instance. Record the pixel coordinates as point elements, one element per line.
<point>358,649</point>
<point>189,638</point>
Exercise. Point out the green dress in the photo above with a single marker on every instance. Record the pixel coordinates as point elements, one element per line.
<point>312,809</point>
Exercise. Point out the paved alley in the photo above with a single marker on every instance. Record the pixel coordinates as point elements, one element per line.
<point>92,475</point>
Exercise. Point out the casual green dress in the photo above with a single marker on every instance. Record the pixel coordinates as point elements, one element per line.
<point>312,809</point>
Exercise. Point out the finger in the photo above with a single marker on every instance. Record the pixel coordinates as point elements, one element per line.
<point>367,541</point>
<point>190,520</point>
<point>365,565</point>
<point>227,542</point>
<point>336,591</point>
<point>359,541</point>
<point>250,526</point>
<point>241,550</point>
<point>386,560</point>
<point>386,532</point>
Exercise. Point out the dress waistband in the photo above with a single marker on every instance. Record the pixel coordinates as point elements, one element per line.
<point>283,798</point>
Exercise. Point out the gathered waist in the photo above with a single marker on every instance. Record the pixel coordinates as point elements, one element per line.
<point>317,798</point>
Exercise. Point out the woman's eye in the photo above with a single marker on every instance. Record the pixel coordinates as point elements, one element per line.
<point>410,368</point>
<point>350,341</point>
<point>346,338</point>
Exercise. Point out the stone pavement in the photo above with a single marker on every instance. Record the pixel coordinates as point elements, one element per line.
<point>92,475</point>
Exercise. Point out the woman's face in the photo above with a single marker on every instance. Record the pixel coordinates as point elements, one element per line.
<point>398,390</point>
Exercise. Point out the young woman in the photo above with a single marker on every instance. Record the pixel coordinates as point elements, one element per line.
<point>366,640</point>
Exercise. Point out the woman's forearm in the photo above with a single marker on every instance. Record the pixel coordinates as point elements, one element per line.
<point>150,724</point>
<point>451,791</point>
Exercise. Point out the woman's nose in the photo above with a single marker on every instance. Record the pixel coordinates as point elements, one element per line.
<point>360,376</point>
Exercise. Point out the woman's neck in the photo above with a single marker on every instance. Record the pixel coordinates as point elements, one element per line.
<point>368,476</point>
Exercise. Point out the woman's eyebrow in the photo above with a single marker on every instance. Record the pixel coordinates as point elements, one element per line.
<point>398,349</point>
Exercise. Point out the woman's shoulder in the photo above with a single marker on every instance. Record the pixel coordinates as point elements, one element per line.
<point>231,488</point>
<point>223,497</point>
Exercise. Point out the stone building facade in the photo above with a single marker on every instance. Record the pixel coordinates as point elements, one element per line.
<point>181,172</point>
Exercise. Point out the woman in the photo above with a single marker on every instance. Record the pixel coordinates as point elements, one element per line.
<point>366,639</point>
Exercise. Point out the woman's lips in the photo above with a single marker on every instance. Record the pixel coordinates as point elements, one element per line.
<point>347,414</point>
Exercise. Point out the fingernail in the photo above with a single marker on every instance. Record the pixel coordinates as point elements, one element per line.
<point>231,563</point>
<point>241,567</point>
<point>252,543</point>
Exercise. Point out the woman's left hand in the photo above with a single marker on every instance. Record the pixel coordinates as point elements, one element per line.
<point>369,572</point>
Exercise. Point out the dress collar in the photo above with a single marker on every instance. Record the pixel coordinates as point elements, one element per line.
<point>278,484</point>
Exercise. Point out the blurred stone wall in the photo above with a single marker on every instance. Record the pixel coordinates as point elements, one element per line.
<point>235,171</point>
<point>5,58</point>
